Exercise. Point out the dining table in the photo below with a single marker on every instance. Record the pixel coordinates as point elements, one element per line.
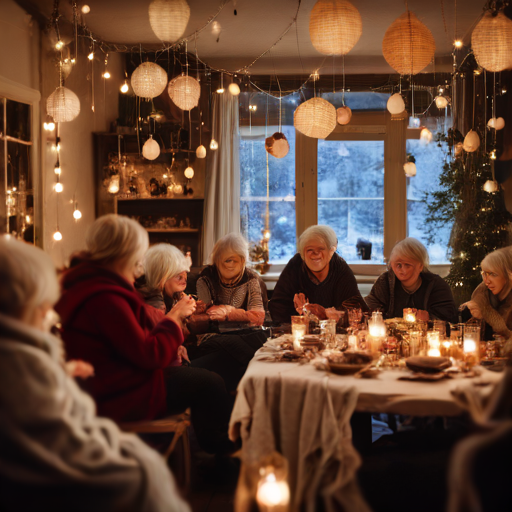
<point>302,412</point>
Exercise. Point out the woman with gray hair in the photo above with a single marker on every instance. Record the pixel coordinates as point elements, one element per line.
<point>57,455</point>
<point>409,284</point>
<point>228,288</point>
<point>316,277</point>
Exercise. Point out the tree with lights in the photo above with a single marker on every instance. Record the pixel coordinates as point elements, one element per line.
<point>471,199</point>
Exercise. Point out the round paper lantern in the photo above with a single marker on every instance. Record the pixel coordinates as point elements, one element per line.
<point>277,145</point>
<point>410,169</point>
<point>151,149</point>
<point>184,92</point>
<point>234,89</point>
<point>201,152</point>
<point>408,45</point>
<point>344,115</point>
<point>426,136</point>
<point>334,26</point>
<point>491,186</point>
<point>315,118</point>
<point>471,141</point>
<point>396,104</point>
<point>63,105</point>
<point>169,19</point>
<point>149,80</point>
<point>189,173</point>
<point>500,123</point>
<point>492,42</point>
<point>441,102</point>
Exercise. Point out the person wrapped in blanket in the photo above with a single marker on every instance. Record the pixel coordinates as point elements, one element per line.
<point>316,280</point>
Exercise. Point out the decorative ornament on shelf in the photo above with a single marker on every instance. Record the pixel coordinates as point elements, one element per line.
<point>214,145</point>
<point>151,149</point>
<point>277,145</point>
<point>491,41</point>
<point>234,89</point>
<point>169,19</point>
<point>344,115</point>
<point>491,186</point>
<point>184,92</point>
<point>410,166</point>
<point>496,123</point>
<point>335,26</point>
<point>113,186</point>
<point>441,101</point>
<point>63,105</point>
<point>471,141</point>
<point>396,104</point>
<point>408,45</point>
<point>201,151</point>
<point>315,118</point>
<point>149,80</point>
<point>425,136</point>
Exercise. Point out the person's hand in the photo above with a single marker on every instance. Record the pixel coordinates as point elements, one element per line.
<point>475,310</point>
<point>182,354</point>
<point>299,301</point>
<point>334,314</point>
<point>182,309</point>
<point>219,313</point>
<point>200,307</point>
<point>317,310</point>
<point>422,315</point>
<point>79,368</point>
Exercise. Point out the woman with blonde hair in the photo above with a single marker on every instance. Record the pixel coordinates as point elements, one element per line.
<point>409,284</point>
<point>57,454</point>
<point>492,299</point>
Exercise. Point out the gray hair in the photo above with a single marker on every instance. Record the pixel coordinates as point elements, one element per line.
<point>410,248</point>
<point>500,261</point>
<point>162,262</point>
<point>231,242</point>
<point>27,278</point>
<point>320,231</point>
<point>114,238</point>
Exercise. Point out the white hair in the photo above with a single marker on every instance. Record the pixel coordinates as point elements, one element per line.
<point>162,262</point>
<point>321,232</point>
<point>27,278</point>
<point>231,242</point>
<point>499,261</point>
<point>115,238</point>
<point>410,248</point>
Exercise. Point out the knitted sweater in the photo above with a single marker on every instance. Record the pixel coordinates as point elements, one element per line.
<point>497,314</point>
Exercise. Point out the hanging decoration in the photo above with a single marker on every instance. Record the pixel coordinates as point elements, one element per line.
<point>441,101</point>
<point>169,19</point>
<point>277,145</point>
<point>425,136</point>
<point>471,141</point>
<point>396,104</point>
<point>315,118</point>
<point>113,186</point>
<point>491,41</point>
<point>410,166</point>
<point>491,186</point>
<point>234,89</point>
<point>496,123</point>
<point>151,149</point>
<point>149,80</point>
<point>63,105</point>
<point>189,173</point>
<point>344,115</point>
<point>201,152</point>
<point>214,144</point>
<point>408,45</point>
<point>334,26</point>
<point>184,91</point>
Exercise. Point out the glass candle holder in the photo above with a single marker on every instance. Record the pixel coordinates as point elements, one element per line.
<point>415,344</point>
<point>409,315</point>
<point>328,332</point>
<point>433,344</point>
<point>440,327</point>
<point>471,345</point>
<point>299,330</point>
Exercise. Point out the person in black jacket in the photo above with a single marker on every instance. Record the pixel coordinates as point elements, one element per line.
<point>409,284</point>
<point>316,277</point>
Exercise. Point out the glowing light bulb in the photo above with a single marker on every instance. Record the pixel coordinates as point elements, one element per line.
<point>201,152</point>
<point>58,187</point>
<point>216,28</point>
<point>77,214</point>
<point>189,173</point>
<point>124,87</point>
<point>220,90</point>
<point>253,108</point>
<point>90,56</point>
<point>214,144</point>
<point>57,236</point>
<point>86,9</point>
<point>57,169</point>
<point>441,101</point>
<point>234,89</point>
<point>458,43</point>
<point>106,74</point>
<point>59,45</point>
<point>492,155</point>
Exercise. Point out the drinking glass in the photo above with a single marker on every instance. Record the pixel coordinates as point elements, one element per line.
<point>299,329</point>
<point>354,317</point>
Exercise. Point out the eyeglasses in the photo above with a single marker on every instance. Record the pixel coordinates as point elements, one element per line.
<point>405,266</point>
<point>492,275</point>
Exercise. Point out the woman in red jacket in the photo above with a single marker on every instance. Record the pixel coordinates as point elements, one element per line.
<point>105,322</point>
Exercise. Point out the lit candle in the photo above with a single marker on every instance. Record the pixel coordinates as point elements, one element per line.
<point>433,352</point>
<point>352,341</point>
<point>433,344</point>
<point>409,315</point>
<point>469,345</point>
<point>272,493</point>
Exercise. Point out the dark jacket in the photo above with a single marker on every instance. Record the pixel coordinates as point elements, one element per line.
<point>105,322</point>
<point>438,298</point>
<point>339,286</point>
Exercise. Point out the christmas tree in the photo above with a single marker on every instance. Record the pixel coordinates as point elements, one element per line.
<point>471,199</point>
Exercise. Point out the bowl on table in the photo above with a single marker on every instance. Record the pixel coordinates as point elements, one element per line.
<point>348,362</point>
<point>428,364</point>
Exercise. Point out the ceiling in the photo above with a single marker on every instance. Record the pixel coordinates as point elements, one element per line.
<point>258,24</point>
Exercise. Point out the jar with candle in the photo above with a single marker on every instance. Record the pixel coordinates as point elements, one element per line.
<point>440,327</point>
<point>434,344</point>
<point>377,331</point>
<point>328,332</point>
<point>409,315</point>
<point>299,330</point>
<point>471,345</point>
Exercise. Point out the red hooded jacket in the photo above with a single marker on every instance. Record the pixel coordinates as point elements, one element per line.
<point>105,322</point>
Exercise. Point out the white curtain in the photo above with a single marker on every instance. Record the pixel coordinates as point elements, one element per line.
<point>222,190</point>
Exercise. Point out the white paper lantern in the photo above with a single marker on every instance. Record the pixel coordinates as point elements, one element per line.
<point>334,26</point>
<point>396,104</point>
<point>234,89</point>
<point>410,169</point>
<point>471,141</point>
<point>441,102</point>
<point>151,149</point>
<point>426,136</point>
<point>491,186</point>
<point>500,123</point>
<point>149,80</point>
<point>184,92</point>
<point>344,115</point>
<point>277,145</point>
<point>491,41</point>
<point>201,152</point>
<point>189,173</point>
<point>315,118</point>
<point>169,19</point>
<point>63,105</point>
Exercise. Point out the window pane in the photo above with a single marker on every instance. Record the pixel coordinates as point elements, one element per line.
<point>430,159</point>
<point>18,120</point>
<point>351,197</point>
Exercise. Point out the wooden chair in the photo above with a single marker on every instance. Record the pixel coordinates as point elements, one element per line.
<point>178,425</point>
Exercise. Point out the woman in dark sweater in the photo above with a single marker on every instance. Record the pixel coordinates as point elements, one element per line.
<point>409,284</point>
<point>316,278</point>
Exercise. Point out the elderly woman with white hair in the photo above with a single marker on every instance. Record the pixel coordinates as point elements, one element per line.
<point>56,453</point>
<point>492,299</point>
<point>316,277</point>
<point>409,284</point>
<point>228,288</point>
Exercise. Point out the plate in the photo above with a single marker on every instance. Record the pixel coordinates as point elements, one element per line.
<point>426,364</point>
<point>346,369</point>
